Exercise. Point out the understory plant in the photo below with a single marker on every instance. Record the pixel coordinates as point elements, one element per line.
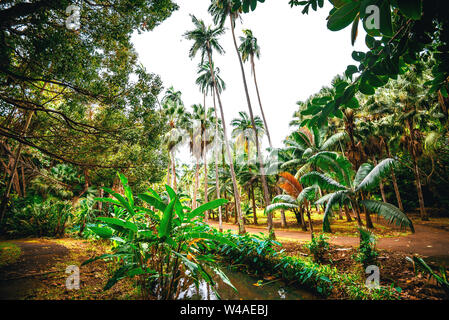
<point>366,253</point>
<point>34,217</point>
<point>258,255</point>
<point>163,248</point>
<point>318,247</point>
<point>442,279</point>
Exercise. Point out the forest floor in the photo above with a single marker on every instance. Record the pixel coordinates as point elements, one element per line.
<point>39,272</point>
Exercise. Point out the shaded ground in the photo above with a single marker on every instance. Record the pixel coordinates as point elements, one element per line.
<point>39,273</point>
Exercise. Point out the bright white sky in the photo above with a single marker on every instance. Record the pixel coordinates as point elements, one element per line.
<point>299,55</point>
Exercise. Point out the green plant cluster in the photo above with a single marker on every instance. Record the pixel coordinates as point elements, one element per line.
<point>39,218</point>
<point>163,249</point>
<point>259,256</point>
<point>318,247</point>
<point>366,253</point>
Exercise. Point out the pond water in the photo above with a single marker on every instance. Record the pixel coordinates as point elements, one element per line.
<point>247,290</point>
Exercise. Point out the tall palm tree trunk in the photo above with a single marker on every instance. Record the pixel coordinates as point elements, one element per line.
<point>228,149</point>
<point>195,190</point>
<point>259,155</point>
<point>173,164</point>
<point>260,101</point>
<point>206,200</point>
<point>253,199</point>
<point>422,209</point>
<point>395,183</point>
<point>217,183</point>
<point>348,216</point>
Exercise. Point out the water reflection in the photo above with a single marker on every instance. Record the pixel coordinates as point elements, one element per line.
<point>244,283</point>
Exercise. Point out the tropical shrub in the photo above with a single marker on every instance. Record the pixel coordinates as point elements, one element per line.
<point>163,249</point>
<point>38,218</point>
<point>318,247</point>
<point>257,253</point>
<point>366,253</point>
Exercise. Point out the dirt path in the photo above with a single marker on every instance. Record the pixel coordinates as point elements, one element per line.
<point>427,241</point>
<point>37,256</point>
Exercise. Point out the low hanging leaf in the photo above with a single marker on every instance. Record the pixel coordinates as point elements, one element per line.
<point>343,16</point>
<point>280,206</point>
<point>389,212</point>
<point>376,174</point>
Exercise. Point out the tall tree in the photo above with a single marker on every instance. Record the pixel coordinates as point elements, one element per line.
<point>221,10</point>
<point>250,50</point>
<point>206,84</point>
<point>244,139</point>
<point>206,40</point>
<point>174,112</point>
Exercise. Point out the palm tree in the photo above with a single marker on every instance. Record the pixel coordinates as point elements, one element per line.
<point>221,10</point>
<point>173,96</point>
<point>244,138</point>
<point>175,114</point>
<point>250,49</point>
<point>206,84</point>
<point>243,132</point>
<point>200,120</point>
<point>387,128</point>
<point>312,150</point>
<point>296,198</point>
<point>206,40</point>
<point>366,178</point>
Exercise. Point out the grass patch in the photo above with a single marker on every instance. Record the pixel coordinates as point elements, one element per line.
<point>9,253</point>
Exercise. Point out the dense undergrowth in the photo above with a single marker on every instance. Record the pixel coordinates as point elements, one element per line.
<point>258,255</point>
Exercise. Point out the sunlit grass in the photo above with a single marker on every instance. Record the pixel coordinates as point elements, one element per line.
<point>9,253</point>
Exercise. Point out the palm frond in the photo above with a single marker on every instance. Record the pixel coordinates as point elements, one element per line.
<point>324,182</point>
<point>389,212</point>
<point>308,194</point>
<point>332,141</point>
<point>376,174</point>
<point>279,206</point>
<point>303,170</point>
<point>334,198</point>
<point>290,184</point>
<point>283,198</point>
<point>361,174</point>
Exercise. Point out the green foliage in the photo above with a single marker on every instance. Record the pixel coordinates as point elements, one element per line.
<point>366,253</point>
<point>420,265</point>
<point>162,249</point>
<point>33,217</point>
<point>259,256</point>
<point>318,247</point>
<point>90,98</point>
<point>406,30</point>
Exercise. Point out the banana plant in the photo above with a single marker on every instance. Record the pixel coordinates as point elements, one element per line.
<point>163,248</point>
<point>366,178</point>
